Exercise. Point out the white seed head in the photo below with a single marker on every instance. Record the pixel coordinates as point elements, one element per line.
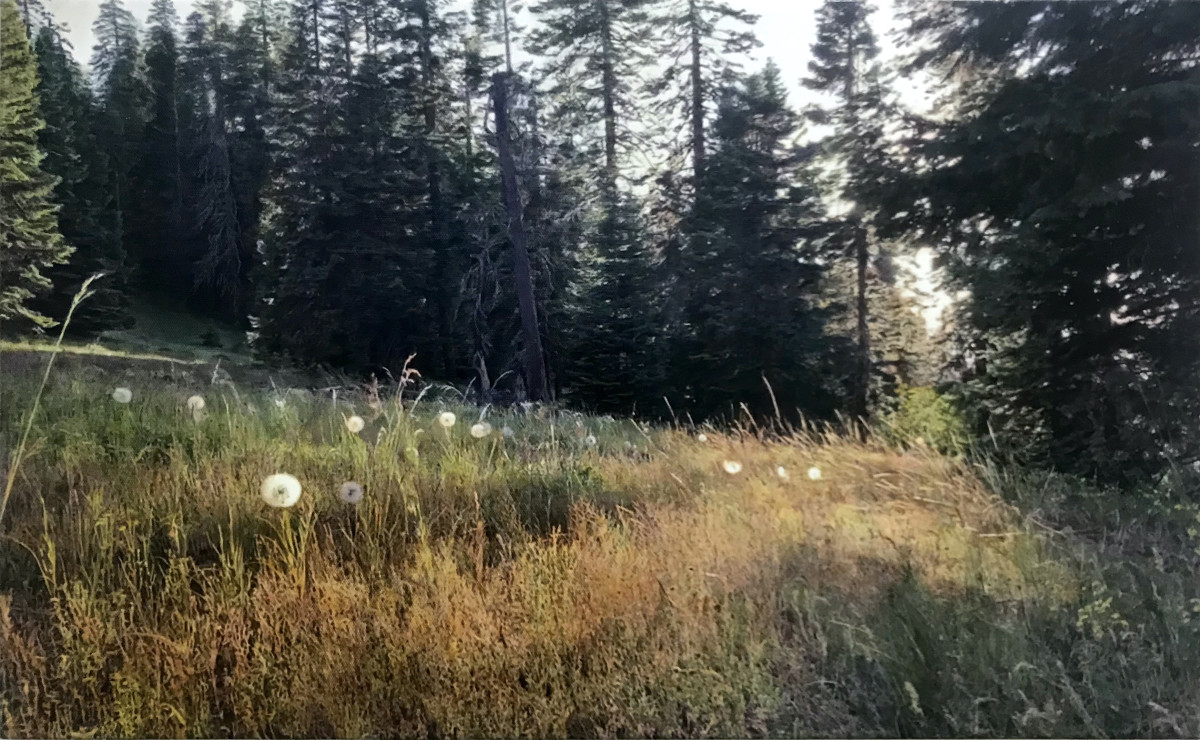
<point>122,395</point>
<point>733,467</point>
<point>590,440</point>
<point>280,403</point>
<point>355,424</point>
<point>782,472</point>
<point>350,492</point>
<point>702,437</point>
<point>447,419</point>
<point>195,403</point>
<point>814,473</point>
<point>281,490</point>
<point>508,432</point>
<point>481,429</point>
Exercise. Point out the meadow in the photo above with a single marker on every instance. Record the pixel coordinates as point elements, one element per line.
<point>556,574</point>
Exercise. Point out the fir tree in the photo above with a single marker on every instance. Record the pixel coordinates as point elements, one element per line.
<point>701,42</point>
<point>121,94</point>
<point>844,69</point>
<point>163,220</point>
<point>595,50</point>
<point>75,158</point>
<point>1060,188</point>
<point>752,312</point>
<point>30,241</point>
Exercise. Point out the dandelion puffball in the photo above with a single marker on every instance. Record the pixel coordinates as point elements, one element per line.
<point>195,403</point>
<point>122,395</point>
<point>814,473</point>
<point>702,437</point>
<point>508,432</point>
<point>280,403</point>
<point>590,440</point>
<point>447,419</point>
<point>481,430</point>
<point>733,467</point>
<point>350,492</point>
<point>281,490</point>
<point>782,472</point>
<point>355,424</point>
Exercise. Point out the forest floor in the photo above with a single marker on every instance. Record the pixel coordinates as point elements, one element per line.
<point>558,575</point>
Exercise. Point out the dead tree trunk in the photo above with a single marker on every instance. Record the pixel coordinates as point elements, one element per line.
<point>534,369</point>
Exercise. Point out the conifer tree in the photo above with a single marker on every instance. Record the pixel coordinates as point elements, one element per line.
<point>752,312</point>
<point>594,51</point>
<point>845,70</point>
<point>1060,189</point>
<point>163,220</point>
<point>701,42</point>
<point>121,96</point>
<point>30,242</point>
<point>75,158</point>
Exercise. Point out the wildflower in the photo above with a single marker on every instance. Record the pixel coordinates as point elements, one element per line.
<point>281,490</point>
<point>508,432</point>
<point>122,395</point>
<point>814,473</point>
<point>280,403</point>
<point>782,472</point>
<point>195,403</point>
<point>733,467</point>
<point>702,437</point>
<point>481,430</point>
<point>355,424</point>
<point>350,492</point>
<point>447,419</point>
<point>590,440</point>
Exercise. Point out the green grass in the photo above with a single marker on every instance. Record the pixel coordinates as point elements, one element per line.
<point>162,328</point>
<point>542,586</point>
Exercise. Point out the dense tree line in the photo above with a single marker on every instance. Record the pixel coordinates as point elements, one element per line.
<point>327,175</point>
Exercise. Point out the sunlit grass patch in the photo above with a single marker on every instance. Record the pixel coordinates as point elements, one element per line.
<point>479,582</point>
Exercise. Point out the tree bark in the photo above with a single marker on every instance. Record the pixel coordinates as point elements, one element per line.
<point>534,369</point>
<point>697,92</point>
<point>862,258</point>
<point>608,84</point>
<point>437,221</point>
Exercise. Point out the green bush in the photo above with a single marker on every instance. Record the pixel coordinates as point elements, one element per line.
<point>922,415</point>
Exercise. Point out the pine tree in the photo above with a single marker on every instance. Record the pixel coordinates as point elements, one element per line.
<point>121,94</point>
<point>1061,192</point>
<point>30,241</point>
<point>230,157</point>
<point>701,42</point>
<point>163,219</point>
<point>752,312</point>
<point>844,68</point>
<point>595,49</point>
<point>74,157</point>
<point>347,258</point>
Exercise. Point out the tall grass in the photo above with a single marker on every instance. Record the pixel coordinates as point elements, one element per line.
<point>541,586</point>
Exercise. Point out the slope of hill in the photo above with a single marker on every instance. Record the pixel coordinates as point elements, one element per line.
<point>555,575</point>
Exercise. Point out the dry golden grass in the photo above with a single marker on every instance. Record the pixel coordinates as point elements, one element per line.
<point>542,587</point>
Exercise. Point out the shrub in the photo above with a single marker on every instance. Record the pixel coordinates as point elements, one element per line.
<point>921,413</point>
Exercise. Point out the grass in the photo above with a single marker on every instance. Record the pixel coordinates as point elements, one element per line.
<point>540,586</point>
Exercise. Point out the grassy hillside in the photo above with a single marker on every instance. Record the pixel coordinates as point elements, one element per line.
<point>581,577</point>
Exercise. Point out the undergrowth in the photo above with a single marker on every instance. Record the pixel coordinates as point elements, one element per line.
<point>541,585</point>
